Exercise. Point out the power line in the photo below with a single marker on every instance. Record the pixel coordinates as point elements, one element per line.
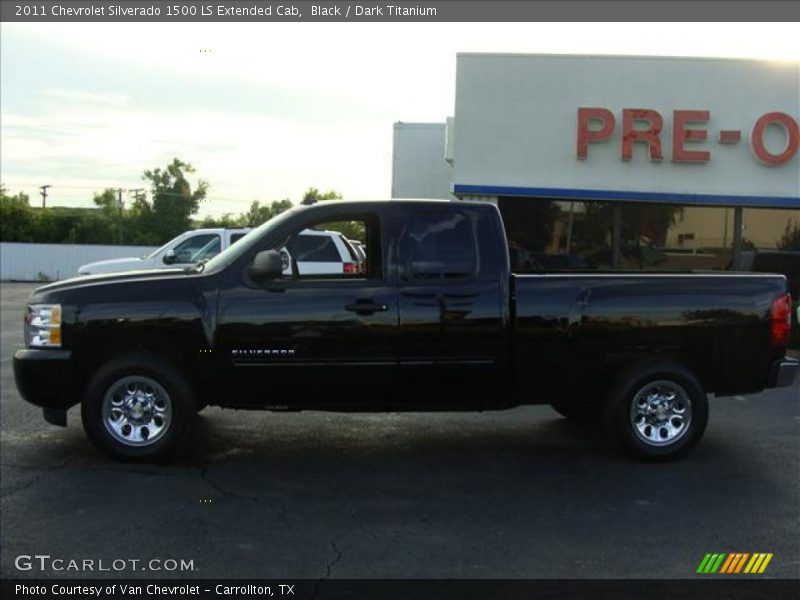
<point>115,187</point>
<point>242,203</point>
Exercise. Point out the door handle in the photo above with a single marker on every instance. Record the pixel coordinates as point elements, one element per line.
<point>366,307</point>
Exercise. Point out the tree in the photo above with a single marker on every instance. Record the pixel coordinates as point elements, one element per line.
<point>107,200</point>
<point>791,237</point>
<point>259,214</point>
<point>255,216</point>
<point>139,224</point>
<point>111,212</point>
<point>174,202</point>
<point>93,227</point>
<point>16,218</point>
<point>352,230</point>
<point>313,195</point>
<point>226,220</point>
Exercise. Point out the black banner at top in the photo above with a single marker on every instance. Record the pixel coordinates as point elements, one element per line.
<point>396,10</point>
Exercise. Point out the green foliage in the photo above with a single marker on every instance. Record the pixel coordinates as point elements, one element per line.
<point>791,237</point>
<point>226,220</point>
<point>313,195</point>
<point>93,228</point>
<point>16,218</point>
<point>98,227</point>
<point>259,214</point>
<point>142,222</point>
<point>255,216</point>
<point>174,202</point>
<point>352,230</point>
<point>107,200</point>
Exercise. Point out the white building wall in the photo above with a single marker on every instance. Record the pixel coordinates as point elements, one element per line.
<point>35,262</point>
<point>419,168</point>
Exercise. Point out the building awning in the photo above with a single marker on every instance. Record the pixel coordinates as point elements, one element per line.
<point>628,196</point>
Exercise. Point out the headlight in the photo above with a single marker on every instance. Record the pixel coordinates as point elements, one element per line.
<point>43,326</point>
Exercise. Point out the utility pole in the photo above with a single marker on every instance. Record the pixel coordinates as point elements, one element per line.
<point>135,193</point>
<point>120,206</point>
<point>44,194</point>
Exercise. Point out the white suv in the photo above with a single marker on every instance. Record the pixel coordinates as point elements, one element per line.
<point>319,252</point>
<point>188,248</point>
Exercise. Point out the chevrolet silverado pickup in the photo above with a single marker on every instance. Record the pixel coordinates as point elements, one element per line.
<point>435,320</point>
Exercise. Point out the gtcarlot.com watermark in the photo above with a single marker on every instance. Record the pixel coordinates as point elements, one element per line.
<point>46,562</point>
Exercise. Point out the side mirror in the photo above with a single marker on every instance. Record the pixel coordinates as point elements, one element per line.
<point>266,265</point>
<point>169,257</point>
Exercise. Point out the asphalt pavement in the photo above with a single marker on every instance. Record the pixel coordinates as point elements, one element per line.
<point>513,494</point>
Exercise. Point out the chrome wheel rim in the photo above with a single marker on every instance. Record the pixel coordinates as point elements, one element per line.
<point>137,411</point>
<point>661,413</point>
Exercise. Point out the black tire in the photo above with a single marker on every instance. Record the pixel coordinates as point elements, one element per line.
<point>577,411</point>
<point>144,367</point>
<point>629,427</point>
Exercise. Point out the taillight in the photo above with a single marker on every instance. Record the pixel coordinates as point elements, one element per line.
<point>781,316</point>
<point>349,267</point>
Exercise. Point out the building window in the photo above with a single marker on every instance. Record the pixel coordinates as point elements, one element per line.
<point>556,235</point>
<point>771,229</point>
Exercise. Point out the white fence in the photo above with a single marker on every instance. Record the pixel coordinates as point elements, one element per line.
<point>39,262</point>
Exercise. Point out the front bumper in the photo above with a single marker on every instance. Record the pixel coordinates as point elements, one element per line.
<point>43,378</point>
<point>784,372</point>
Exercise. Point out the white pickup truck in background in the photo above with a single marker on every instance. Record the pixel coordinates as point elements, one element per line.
<point>316,252</point>
<point>188,248</point>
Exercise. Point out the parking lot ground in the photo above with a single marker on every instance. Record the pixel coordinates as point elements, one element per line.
<point>513,494</point>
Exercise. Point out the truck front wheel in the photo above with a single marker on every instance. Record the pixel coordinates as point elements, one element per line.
<point>657,411</point>
<point>137,408</point>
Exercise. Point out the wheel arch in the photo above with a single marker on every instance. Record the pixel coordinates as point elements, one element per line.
<point>178,350</point>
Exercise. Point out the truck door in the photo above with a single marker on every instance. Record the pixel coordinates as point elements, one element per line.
<point>311,338</point>
<point>452,329</point>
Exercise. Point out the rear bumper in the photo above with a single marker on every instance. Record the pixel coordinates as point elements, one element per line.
<point>43,377</point>
<point>784,372</point>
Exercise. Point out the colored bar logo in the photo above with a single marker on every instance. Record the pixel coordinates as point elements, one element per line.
<point>733,563</point>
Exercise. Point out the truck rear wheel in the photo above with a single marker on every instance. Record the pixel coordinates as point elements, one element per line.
<point>657,411</point>
<point>137,408</point>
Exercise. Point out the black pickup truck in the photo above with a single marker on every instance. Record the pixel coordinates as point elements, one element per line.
<point>433,319</point>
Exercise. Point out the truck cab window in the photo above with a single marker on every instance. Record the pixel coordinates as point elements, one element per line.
<point>440,246</point>
<point>325,250</point>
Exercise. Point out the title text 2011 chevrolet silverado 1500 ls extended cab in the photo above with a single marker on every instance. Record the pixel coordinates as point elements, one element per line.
<point>436,321</point>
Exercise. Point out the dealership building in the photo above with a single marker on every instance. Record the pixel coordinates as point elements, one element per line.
<point>618,162</point>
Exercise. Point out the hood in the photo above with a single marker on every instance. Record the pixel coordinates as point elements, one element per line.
<point>114,264</point>
<point>110,278</point>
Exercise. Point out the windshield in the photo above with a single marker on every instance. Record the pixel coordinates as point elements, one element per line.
<point>155,253</point>
<point>210,250</point>
<point>233,252</point>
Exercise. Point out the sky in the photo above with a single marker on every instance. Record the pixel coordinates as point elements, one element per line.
<point>265,110</point>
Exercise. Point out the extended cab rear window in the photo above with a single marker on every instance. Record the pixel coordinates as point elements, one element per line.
<point>440,245</point>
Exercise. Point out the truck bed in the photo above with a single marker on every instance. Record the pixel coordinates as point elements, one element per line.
<point>574,330</point>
